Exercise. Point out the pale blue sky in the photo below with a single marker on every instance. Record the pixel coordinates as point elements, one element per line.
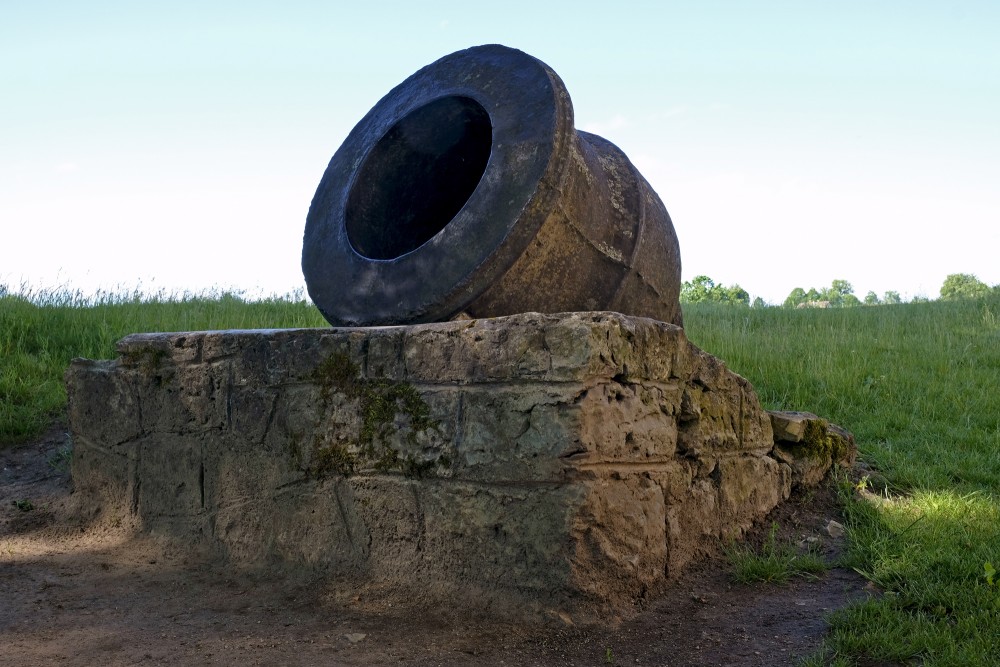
<point>179,145</point>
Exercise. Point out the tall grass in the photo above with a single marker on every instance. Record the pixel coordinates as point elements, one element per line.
<point>40,332</point>
<point>919,385</point>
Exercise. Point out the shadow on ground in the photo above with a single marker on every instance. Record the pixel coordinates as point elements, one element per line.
<point>90,595</point>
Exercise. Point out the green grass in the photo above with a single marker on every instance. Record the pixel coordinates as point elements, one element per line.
<point>919,385</point>
<point>41,332</point>
<point>773,563</point>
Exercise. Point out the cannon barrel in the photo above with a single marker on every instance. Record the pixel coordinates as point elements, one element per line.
<point>467,189</point>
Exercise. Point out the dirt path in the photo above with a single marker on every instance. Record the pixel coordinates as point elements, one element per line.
<point>100,596</point>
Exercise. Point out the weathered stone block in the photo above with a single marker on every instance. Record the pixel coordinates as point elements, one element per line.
<point>810,446</point>
<point>119,397</point>
<point>693,517</point>
<point>516,433</point>
<point>563,464</point>
<point>620,537</point>
<point>750,485</point>
<point>628,423</point>
<point>110,476</point>
<point>170,470</point>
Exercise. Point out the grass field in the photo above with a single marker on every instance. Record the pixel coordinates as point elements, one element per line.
<point>918,384</point>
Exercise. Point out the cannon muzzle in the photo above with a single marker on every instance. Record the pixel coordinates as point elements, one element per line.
<point>467,189</point>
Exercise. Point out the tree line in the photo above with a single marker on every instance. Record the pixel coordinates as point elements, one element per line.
<point>840,293</point>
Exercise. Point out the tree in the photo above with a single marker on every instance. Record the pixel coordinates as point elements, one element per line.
<point>963,286</point>
<point>891,298</point>
<point>841,288</point>
<point>736,294</point>
<point>797,296</point>
<point>758,303</point>
<point>703,289</point>
<point>871,299</point>
<point>697,289</point>
<point>838,294</point>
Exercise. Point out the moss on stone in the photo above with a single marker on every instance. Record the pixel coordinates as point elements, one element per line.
<point>337,373</point>
<point>331,458</point>
<point>840,447</point>
<point>148,359</point>
<point>380,401</point>
<point>822,442</point>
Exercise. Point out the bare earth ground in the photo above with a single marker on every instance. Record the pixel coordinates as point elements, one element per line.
<point>96,595</point>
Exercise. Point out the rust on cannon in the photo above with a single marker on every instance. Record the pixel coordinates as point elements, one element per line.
<point>467,189</point>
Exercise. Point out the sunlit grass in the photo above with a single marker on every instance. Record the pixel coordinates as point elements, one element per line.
<point>926,552</point>
<point>919,385</point>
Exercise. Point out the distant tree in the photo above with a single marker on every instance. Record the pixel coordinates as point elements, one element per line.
<point>963,286</point>
<point>758,303</point>
<point>891,298</point>
<point>920,298</point>
<point>697,290</point>
<point>838,294</point>
<point>796,297</point>
<point>702,289</point>
<point>736,294</point>
<point>871,299</point>
<point>841,287</point>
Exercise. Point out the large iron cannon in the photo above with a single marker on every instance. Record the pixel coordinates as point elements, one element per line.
<point>467,189</point>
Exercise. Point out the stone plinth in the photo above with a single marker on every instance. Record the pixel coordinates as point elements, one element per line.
<point>562,464</point>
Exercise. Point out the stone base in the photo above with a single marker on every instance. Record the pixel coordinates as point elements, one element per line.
<point>561,464</point>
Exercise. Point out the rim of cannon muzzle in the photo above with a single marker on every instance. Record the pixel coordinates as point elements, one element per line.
<point>466,189</point>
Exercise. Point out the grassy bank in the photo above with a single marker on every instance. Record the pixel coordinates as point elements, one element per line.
<point>919,385</point>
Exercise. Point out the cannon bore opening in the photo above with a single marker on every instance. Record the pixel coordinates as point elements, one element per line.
<point>418,177</point>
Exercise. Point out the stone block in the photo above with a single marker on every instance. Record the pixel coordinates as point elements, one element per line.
<point>628,423</point>
<point>620,540</point>
<point>749,488</point>
<point>118,397</point>
<point>532,464</point>
<point>515,433</point>
<point>790,426</point>
<point>693,519</point>
<point>810,446</point>
<point>172,476</point>
<point>108,474</point>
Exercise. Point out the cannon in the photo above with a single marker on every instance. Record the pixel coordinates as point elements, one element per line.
<point>467,190</point>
